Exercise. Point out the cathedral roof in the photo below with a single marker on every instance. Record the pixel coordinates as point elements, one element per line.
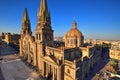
<point>74,32</point>
<point>50,59</point>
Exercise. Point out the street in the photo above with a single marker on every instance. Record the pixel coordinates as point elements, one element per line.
<point>13,68</point>
<point>101,71</point>
<point>5,50</point>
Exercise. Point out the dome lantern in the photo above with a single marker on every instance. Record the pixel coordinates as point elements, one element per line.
<point>74,25</point>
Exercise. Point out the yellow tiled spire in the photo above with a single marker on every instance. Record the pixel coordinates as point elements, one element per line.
<point>43,11</point>
<point>25,17</point>
<point>26,27</point>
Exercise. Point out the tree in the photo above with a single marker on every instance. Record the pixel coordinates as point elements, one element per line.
<point>111,69</point>
<point>113,63</point>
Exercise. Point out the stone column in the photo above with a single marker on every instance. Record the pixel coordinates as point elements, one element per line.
<point>34,56</point>
<point>28,57</point>
<point>39,57</point>
<point>43,68</point>
<point>38,37</point>
<point>58,72</point>
<point>46,70</point>
<point>53,74</point>
<point>20,46</point>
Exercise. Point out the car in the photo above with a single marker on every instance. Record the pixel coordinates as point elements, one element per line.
<point>114,78</point>
<point>1,59</point>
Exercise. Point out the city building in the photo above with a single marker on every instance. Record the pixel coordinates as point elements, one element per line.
<point>115,52</point>
<point>67,60</point>
<point>12,38</point>
<point>0,40</point>
<point>3,35</point>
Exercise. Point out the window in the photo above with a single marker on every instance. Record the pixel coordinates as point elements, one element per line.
<point>39,37</point>
<point>71,41</point>
<point>76,41</point>
<point>69,56</point>
<point>36,36</point>
<point>68,41</point>
<point>68,71</point>
<point>80,55</point>
<point>118,54</point>
<point>111,53</point>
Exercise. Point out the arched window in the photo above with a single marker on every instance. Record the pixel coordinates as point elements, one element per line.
<point>75,41</point>
<point>111,53</point>
<point>36,36</point>
<point>39,36</point>
<point>68,41</point>
<point>71,41</point>
<point>118,54</point>
<point>69,56</point>
<point>68,71</point>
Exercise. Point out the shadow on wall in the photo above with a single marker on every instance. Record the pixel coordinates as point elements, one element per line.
<point>15,46</point>
<point>104,59</point>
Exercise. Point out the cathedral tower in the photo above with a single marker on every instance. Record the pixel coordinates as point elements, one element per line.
<point>44,32</point>
<point>26,27</point>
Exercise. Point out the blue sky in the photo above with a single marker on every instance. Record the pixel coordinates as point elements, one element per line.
<point>96,19</point>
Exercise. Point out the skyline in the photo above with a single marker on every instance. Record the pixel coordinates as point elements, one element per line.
<point>96,19</point>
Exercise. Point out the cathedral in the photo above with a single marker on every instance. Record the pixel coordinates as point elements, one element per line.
<point>68,60</point>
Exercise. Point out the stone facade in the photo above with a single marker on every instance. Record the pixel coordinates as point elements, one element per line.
<point>2,35</point>
<point>115,54</point>
<point>9,38</point>
<point>115,51</point>
<point>67,60</point>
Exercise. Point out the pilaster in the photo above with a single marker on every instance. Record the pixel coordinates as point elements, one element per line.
<point>20,47</point>
<point>58,72</point>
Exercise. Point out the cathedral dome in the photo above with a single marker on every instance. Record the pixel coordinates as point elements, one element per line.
<point>74,32</point>
<point>73,38</point>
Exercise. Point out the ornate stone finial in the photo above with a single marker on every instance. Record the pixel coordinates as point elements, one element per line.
<point>74,25</point>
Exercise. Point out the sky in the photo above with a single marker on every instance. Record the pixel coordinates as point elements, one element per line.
<point>96,19</point>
